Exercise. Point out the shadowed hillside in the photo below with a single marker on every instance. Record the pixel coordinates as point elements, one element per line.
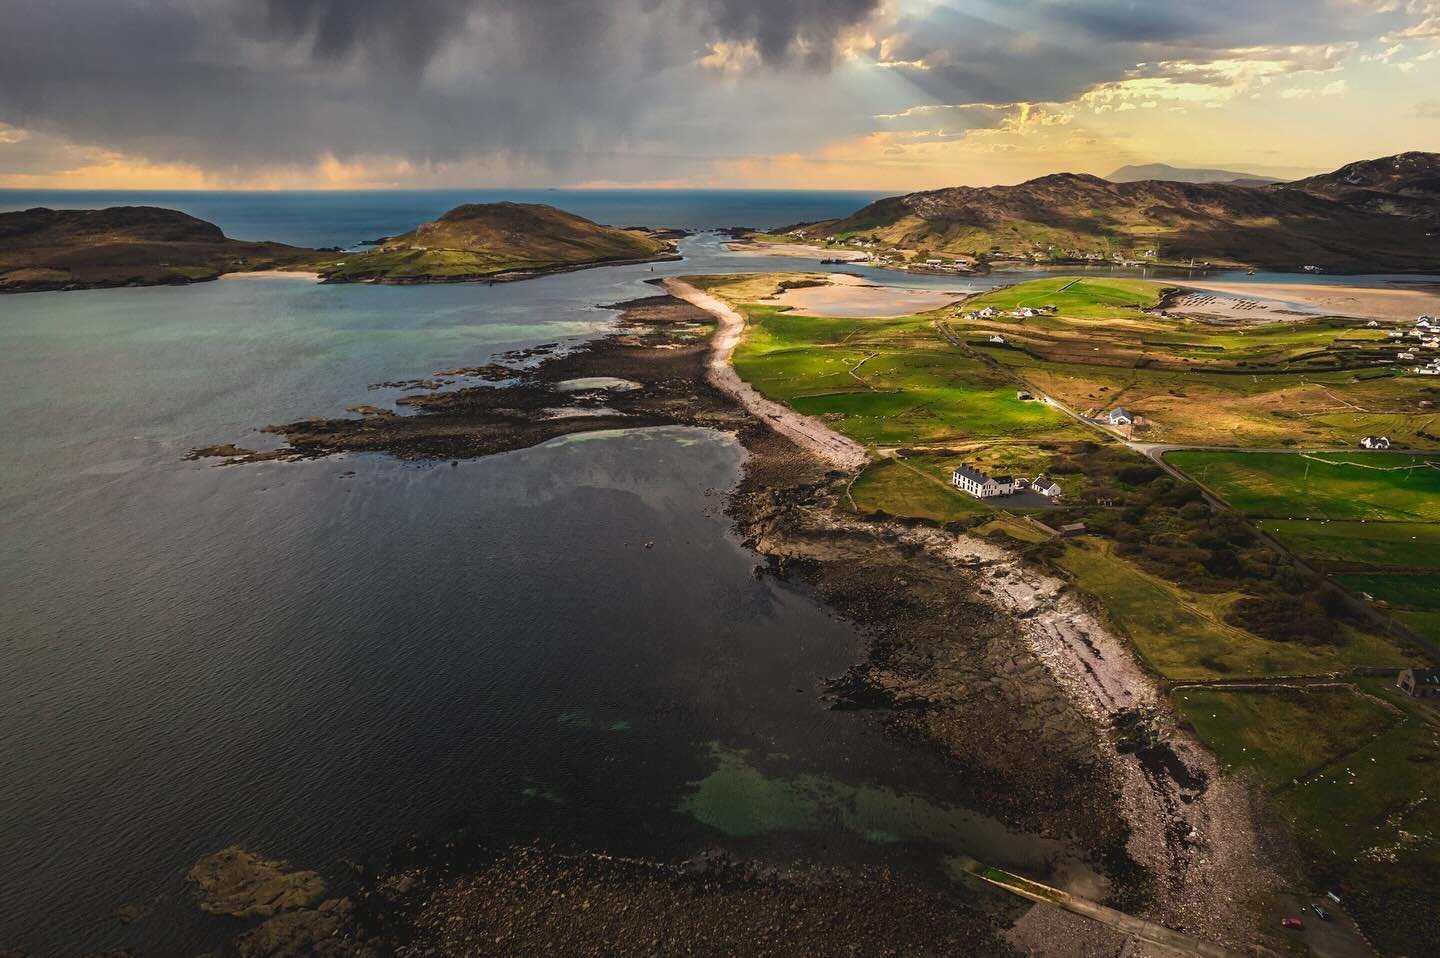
<point>1069,217</point>
<point>44,249</point>
<point>478,241</point>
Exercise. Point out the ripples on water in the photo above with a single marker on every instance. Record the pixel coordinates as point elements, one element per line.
<point>317,660</point>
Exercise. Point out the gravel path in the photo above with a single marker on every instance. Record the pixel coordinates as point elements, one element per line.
<point>806,431</point>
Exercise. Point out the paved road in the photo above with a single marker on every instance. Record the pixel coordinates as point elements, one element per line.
<point>1156,452</point>
<point>806,431</point>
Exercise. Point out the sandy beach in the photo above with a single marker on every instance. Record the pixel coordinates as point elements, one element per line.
<point>1361,302</point>
<point>273,274</point>
<point>751,248</point>
<point>854,296</point>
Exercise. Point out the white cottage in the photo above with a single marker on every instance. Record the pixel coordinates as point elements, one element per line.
<point>980,485</point>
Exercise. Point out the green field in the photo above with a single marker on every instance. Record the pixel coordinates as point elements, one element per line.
<point>1419,592</point>
<point>1347,545</point>
<point>900,489</point>
<point>886,382</point>
<point>1183,635</point>
<point>1385,486</point>
<point>1414,600</point>
<point>1284,735</point>
<point>1358,784</point>
<point>1076,298</point>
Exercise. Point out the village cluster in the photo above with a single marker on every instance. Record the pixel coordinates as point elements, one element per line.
<point>1425,334</point>
<point>894,257</point>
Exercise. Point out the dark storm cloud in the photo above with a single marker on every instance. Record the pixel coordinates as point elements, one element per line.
<point>236,83</point>
<point>1054,50</point>
<point>584,89</point>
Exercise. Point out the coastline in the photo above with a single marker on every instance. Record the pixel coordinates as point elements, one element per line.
<point>272,274</point>
<point>1001,670</point>
<point>1361,302</point>
<point>510,276</point>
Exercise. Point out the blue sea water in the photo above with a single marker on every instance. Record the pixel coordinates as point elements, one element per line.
<point>346,218</point>
<point>322,660</point>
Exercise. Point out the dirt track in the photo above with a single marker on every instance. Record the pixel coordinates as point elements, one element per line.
<point>807,432</point>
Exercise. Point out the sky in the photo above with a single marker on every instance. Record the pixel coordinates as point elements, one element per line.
<point>890,95</point>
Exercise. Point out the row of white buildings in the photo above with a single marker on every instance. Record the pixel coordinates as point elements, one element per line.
<point>982,486</point>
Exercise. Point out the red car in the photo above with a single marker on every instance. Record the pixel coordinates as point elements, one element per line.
<point>1291,923</point>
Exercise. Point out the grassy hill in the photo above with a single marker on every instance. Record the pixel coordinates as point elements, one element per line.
<point>480,241</point>
<point>42,249</point>
<point>1068,217</point>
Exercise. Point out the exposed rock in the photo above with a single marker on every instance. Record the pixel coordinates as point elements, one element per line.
<point>129,914</point>
<point>225,450</point>
<point>309,931</point>
<point>240,884</point>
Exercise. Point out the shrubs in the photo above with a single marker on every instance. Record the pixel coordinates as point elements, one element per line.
<point>1283,617</point>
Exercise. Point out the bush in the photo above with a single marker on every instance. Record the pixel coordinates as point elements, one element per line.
<point>1282,617</point>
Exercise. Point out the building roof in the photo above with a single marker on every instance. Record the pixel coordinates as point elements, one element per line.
<point>1044,482</point>
<point>1425,676</point>
<point>974,475</point>
<point>1119,411</point>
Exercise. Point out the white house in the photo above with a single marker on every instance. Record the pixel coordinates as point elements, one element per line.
<point>980,485</point>
<point>987,313</point>
<point>1406,356</point>
<point>1046,486</point>
<point>1397,334</point>
<point>1119,416</point>
<point>1376,442</point>
<point>1373,324</point>
<point>998,339</point>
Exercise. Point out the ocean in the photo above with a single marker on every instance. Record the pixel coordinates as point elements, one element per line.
<point>346,218</point>
<point>320,661</point>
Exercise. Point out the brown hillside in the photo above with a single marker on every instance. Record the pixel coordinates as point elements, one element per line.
<point>1066,215</point>
<point>123,246</point>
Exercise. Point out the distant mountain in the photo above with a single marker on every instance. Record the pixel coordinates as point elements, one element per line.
<point>1069,217</point>
<point>1405,185</point>
<point>1175,174</point>
<point>479,241</point>
<point>44,249</point>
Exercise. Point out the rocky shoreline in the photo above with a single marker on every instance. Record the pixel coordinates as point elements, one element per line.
<point>1044,716</point>
<point>511,276</point>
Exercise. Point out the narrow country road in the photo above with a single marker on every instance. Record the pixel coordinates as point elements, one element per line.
<point>806,431</point>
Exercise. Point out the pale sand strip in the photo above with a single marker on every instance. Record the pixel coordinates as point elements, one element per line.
<point>1361,302</point>
<point>809,433</point>
<point>273,274</point>
<point>751,248</point>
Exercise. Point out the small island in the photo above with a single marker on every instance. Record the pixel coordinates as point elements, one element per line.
<point>44,249</point>
<point>498,241</point>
